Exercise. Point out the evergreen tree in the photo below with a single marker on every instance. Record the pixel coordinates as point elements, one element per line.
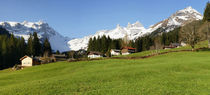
<point>37,48</point>
<point>207,13</point>
<point>4,53</point>
<point>57,52</point>
<point>29,49</point>
<point>90,44</point>
<point>47,48</point>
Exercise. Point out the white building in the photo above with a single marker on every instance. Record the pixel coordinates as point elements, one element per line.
<point>115,52</point>
<point>128,50</point>
<point>95,55</point>
<point>27,61</point>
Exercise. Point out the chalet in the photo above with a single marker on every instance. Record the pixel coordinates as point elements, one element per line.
<point>94,54</point>
<point>27,61</point>
<point>172,45</point>
<point>59,57</point>
<point>115,52</point>
<point>128,50</point>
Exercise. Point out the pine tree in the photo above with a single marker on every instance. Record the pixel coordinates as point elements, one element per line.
<point>22,46</point>
<point>90,44</point>
<point>37,48</point>
<point>207,13</point>
<point>57,52</point>
<point>47,48</point>
<point>206,19</point>
<point>4,53</point>
<point>29,49</point>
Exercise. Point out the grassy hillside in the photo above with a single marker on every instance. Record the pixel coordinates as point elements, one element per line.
<point>178,73</point>
<point>201,44</point>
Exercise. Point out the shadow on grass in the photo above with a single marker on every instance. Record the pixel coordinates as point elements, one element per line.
<point>203,49</point>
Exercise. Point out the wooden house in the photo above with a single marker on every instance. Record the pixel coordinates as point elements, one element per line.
<point>172,45</point>
<point>59,57</point>
<point>128,50</point>
<point>27,61</point>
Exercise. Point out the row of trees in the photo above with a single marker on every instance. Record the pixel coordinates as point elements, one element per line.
<point>35,48</point>
<point>13,48</point>
<point>103,44</point>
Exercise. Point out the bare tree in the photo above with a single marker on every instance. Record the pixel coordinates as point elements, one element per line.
<point>125,40</point>
<point>157,44</point>
<point>190,35</point>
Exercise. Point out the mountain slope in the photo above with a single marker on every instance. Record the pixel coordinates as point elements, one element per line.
<point>57,41</point>
<point>132,31</point>
<point>136,30</point>
<point>177,19</point>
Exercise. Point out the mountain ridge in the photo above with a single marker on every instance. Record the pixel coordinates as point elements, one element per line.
<point>135,30</point>
<point>25,28</point>
<point>132,31</point>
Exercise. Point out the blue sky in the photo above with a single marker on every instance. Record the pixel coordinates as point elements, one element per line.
<point>78,18</point>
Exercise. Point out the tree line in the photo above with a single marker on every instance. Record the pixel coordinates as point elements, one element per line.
<point>191,34</point>
<point>105,43</point>
<point>13,48</point>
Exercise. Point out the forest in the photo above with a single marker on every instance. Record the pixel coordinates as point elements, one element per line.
<point>13,48</point>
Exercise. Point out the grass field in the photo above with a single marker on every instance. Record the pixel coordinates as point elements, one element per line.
<point>201,44</point>
<point>180,73</point>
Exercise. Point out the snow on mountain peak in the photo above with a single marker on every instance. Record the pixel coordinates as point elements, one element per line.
<point>189,9</point>
<point>180,18</point>
<point>25,28</point>
<point>132,31</point>
<point>136,29</point>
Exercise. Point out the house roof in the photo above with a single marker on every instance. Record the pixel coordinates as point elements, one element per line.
<point>128,48</point>
<point>24,57</point>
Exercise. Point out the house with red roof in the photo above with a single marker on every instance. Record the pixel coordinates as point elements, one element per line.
<point>128,50</point>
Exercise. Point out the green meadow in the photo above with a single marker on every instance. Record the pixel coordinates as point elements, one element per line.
<point>178,73</point>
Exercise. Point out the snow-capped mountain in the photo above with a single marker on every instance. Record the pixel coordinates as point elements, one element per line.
<point>177,19</point>
<point>136,30</point>
<point>23,29</point>
<point>132,31</point>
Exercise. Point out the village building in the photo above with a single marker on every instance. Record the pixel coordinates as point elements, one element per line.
<point>115,52</point>
<point>172,45</point>
<point>128,50</point>
<point>59,57</point>
<point>93,54</point>
<point>27,61</point>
